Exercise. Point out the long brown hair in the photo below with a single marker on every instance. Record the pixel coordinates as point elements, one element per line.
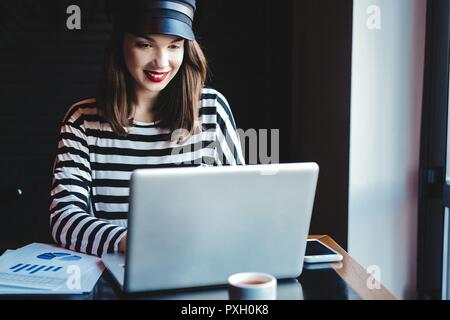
<point>176,106</point>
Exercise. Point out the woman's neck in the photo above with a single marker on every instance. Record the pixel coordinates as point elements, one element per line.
<point>144,106</point>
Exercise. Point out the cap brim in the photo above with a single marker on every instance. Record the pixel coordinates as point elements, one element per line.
<point>164,26</point>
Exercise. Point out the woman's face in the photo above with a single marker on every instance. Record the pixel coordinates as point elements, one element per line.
<point>153,60</point>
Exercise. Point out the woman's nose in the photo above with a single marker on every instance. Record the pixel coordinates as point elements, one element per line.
<point>161,59</point>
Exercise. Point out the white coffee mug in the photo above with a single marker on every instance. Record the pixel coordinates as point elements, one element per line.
<point>252,286</point>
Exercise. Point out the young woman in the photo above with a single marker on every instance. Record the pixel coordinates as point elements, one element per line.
<point>152,110</point>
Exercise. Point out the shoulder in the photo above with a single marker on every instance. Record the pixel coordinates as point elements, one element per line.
<point>81,111</point>
<point>213,98</point>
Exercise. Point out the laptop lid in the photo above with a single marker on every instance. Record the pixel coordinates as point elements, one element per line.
<point>193,227</point>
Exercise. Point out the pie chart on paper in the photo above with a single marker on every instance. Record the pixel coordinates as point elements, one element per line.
<point>58,256</point>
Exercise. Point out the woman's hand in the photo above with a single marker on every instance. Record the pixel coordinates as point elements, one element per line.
<point>123,244</point>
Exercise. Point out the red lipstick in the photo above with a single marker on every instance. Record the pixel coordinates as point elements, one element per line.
<point>155,76</point>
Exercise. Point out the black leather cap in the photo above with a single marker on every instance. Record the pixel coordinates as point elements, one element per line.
<point>168,17</point>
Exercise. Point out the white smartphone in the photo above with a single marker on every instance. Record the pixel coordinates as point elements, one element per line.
<point>317,251</point>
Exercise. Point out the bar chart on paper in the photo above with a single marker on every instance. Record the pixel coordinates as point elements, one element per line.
<point>33,269</point>
<point>44,269</point>
<point>38,270</point>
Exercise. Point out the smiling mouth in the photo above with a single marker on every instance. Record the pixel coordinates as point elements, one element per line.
<point>156,76</point>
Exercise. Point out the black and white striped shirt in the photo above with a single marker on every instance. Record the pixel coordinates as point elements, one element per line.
<point>93,167</point>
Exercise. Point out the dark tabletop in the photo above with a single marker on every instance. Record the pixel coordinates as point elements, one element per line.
<point>320,283</point>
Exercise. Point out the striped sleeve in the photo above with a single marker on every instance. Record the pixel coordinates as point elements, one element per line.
<point>228,140</point>
<point>71,223</point>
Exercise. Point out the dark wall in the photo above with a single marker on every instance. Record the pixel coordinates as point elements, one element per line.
<point>281,64</point>
<point>249,47</point>
<point>321,89</point>
<point>44,68</point>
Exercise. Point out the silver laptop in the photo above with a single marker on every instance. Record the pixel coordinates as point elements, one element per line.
<point>193,227</point>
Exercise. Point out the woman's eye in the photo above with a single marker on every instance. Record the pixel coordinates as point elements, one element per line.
<point>175,46</point>
<point>143,45</point>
